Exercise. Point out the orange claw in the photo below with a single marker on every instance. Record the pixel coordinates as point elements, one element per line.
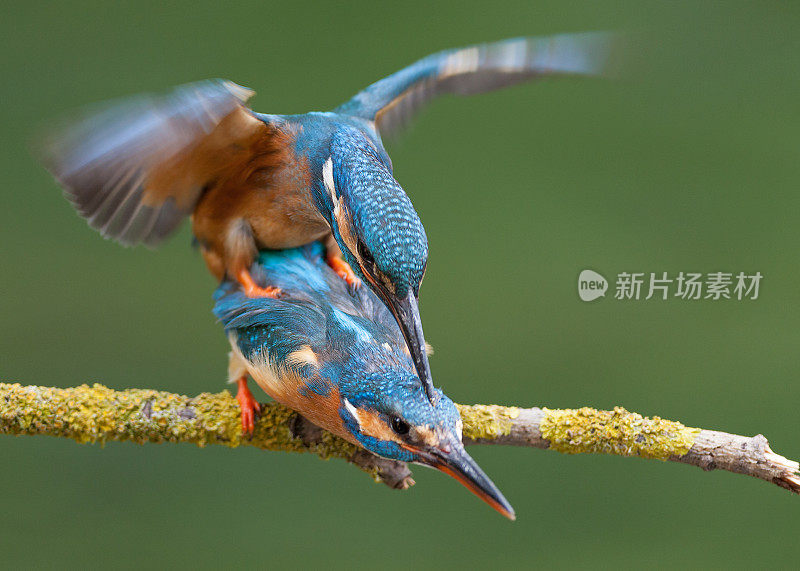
<point>251,289</point>
<point>249,406</point>
<point>344,270</point>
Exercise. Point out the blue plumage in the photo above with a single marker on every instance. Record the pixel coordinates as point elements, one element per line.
<point>316,309</point>
<point>392,101</point>
<point>253,181</point>
<point>339,358</point>
<point>354,337</point>
<point>379,203</point>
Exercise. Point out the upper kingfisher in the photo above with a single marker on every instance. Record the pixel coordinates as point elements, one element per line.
<point>336,356</point>
<point>250,181</point>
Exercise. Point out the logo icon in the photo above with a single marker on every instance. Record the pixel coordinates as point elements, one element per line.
<point>591,285</point>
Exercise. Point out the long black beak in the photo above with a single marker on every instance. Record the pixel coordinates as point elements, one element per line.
<point>460,465</point>
<point>406,312</point>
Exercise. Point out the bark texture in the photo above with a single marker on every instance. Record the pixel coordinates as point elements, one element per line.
<point>98,414</point>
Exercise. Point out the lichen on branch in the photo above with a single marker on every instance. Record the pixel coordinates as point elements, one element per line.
<point>618,432</point>
<point>99,414</point>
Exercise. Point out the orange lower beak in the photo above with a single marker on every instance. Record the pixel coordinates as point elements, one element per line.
<point>460,465</point>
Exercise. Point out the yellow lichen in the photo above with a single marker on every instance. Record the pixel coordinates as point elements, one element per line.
<point>98,414</point>
<point>619,432</point>
<point>487,422</point>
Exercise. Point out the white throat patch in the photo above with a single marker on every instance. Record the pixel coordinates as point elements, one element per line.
<point>327,178</point>
<point>340,213</point>
<point>351,409</point>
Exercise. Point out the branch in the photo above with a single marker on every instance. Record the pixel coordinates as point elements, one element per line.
<point>99,414</point>
<point>623,433</point>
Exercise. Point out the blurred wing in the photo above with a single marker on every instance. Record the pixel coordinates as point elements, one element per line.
<point>393,101</point>
<point>136,168</point>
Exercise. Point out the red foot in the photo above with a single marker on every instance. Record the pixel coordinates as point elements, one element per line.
<point>249,406</point>
<point>344,270</point>
<point>251,289</point>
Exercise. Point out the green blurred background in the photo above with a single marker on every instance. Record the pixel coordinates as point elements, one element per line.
<point>691,163</point>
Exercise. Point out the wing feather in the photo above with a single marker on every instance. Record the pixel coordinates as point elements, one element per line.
<point>393,101</point>
<point>136,168</point>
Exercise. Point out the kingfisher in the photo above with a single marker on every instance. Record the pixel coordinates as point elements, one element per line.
<point>337,356</point>
<point>249,181</point>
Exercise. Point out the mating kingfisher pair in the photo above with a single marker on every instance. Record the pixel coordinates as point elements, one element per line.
<point>254,182</point>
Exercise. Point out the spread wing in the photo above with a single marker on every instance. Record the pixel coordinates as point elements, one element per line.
<point>393,101</point>
<point>137,167</point>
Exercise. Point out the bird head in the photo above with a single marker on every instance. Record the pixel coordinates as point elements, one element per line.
<point>380,235</point>
<point>394,419</point>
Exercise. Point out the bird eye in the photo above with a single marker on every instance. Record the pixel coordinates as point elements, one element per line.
<point>400,426</point>
<point>365,254</point>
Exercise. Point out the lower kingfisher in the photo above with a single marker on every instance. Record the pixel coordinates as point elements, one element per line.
<point>336,356</point>
<point>134,169</point>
